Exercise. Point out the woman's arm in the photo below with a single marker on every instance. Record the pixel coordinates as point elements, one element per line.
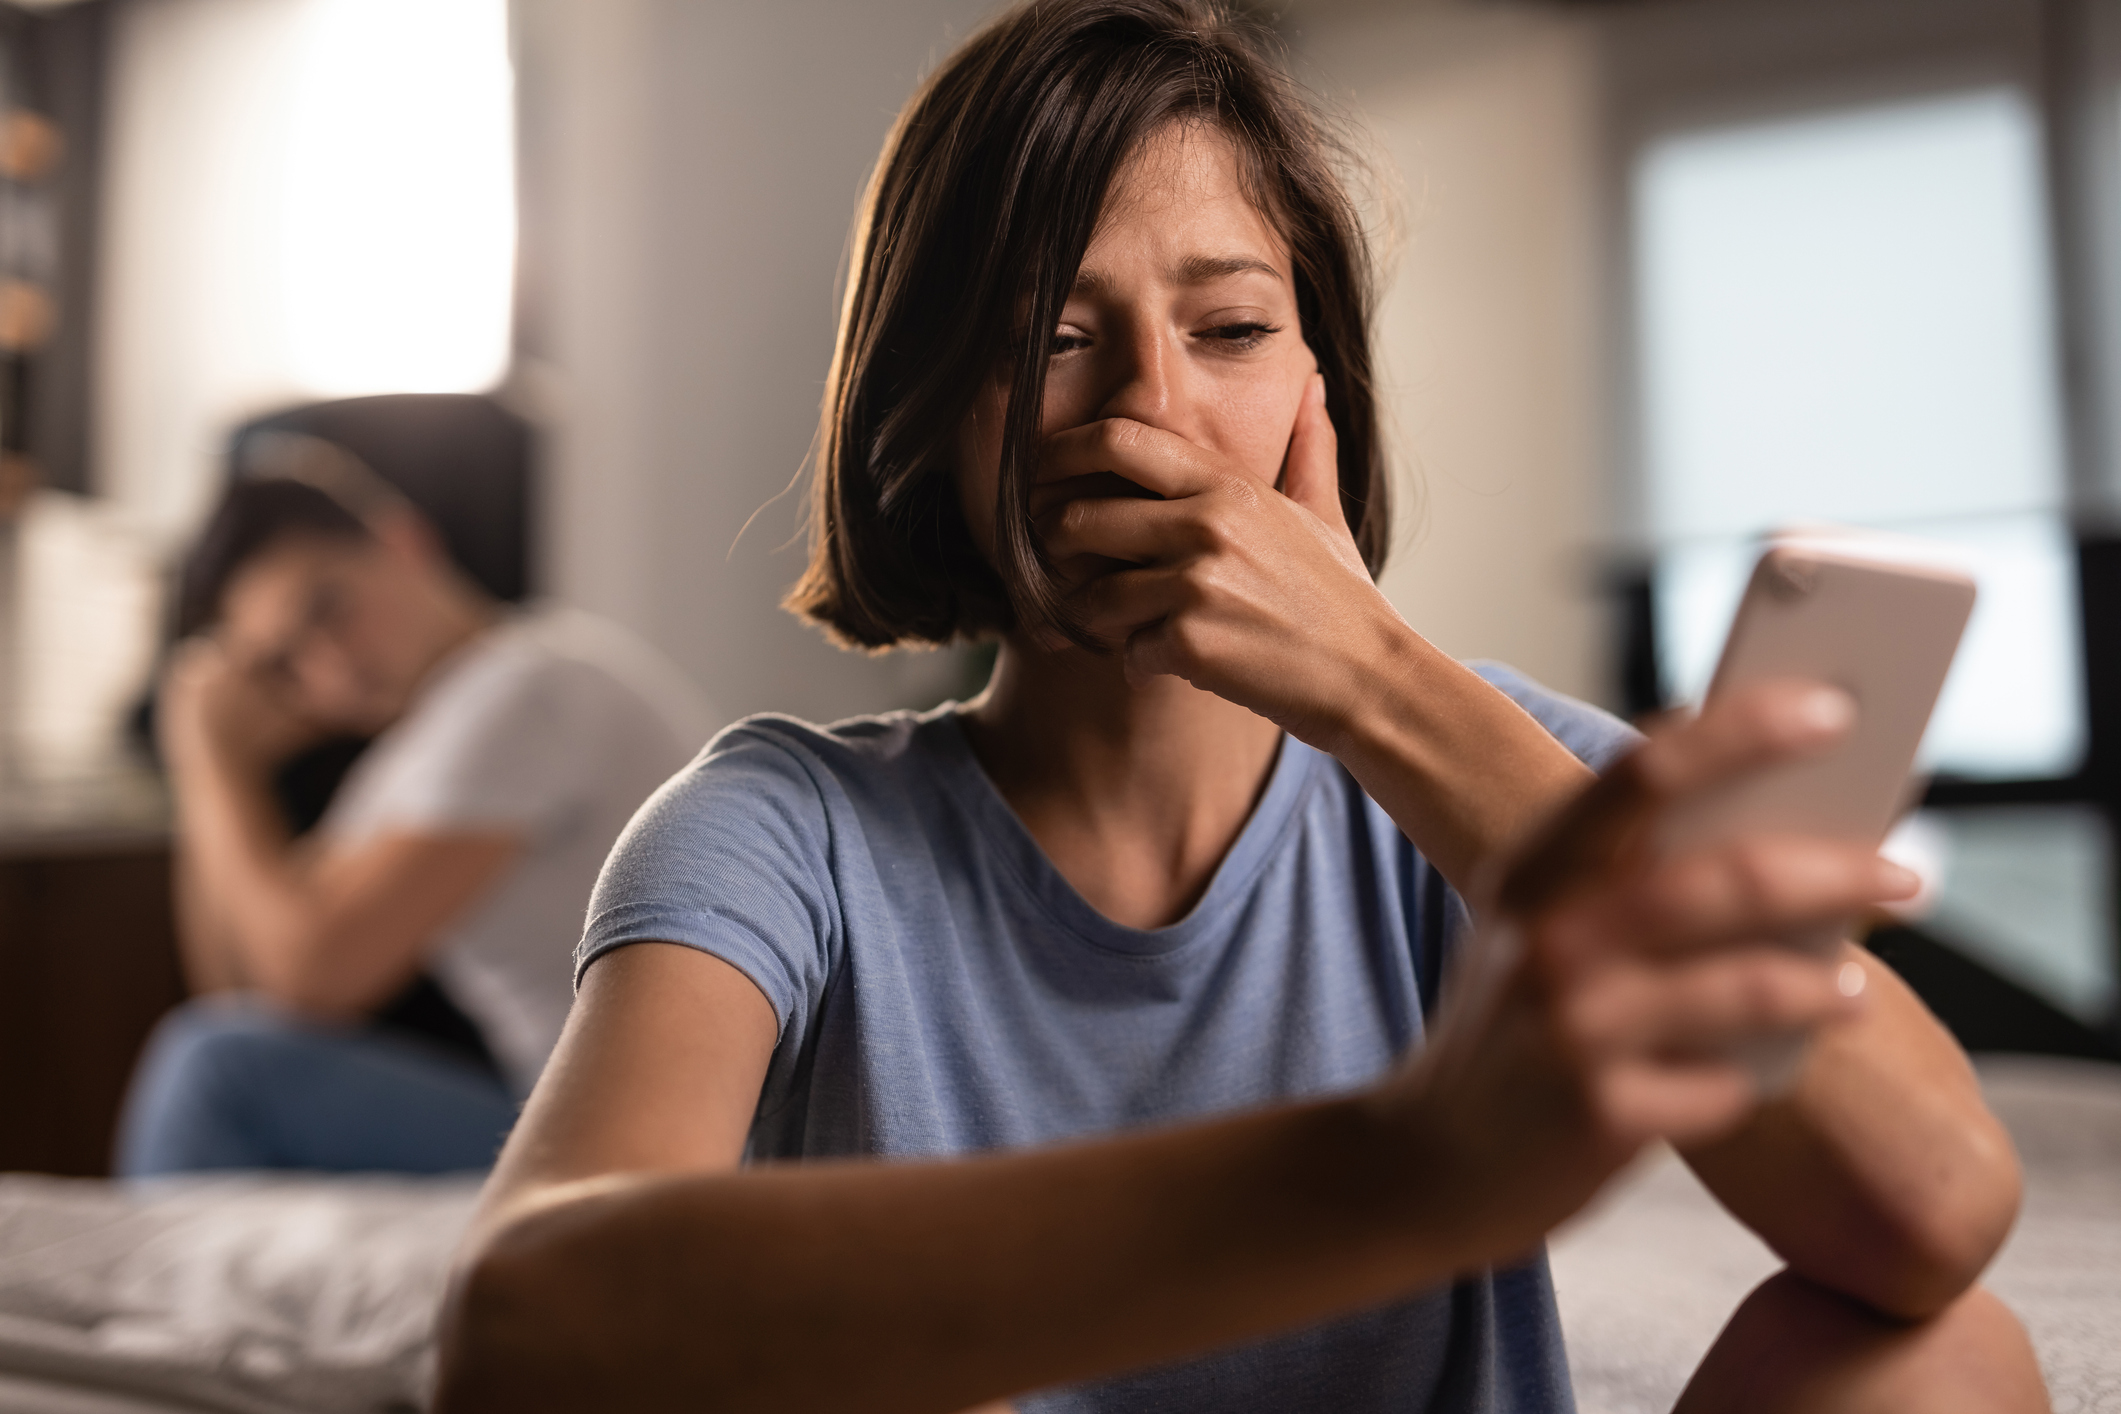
<point>1882,1174</point>
<point>1262,598</point>
<point>622,1263</point>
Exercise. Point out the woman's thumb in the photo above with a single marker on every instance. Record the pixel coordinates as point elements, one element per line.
<point>1310,473</point>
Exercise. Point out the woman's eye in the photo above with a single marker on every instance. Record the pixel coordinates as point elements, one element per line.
<point>1067,342</point>
<point>1241,336</point>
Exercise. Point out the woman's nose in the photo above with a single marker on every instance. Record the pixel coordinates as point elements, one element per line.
<point>1141,385</point>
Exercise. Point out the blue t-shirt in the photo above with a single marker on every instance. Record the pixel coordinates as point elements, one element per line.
<point>942,989</point>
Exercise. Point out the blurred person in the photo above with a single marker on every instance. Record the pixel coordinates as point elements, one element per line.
<point>510,747</point>
<point>1219,1010</point>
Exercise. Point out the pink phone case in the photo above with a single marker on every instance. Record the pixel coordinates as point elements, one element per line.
<point>1884,631</point>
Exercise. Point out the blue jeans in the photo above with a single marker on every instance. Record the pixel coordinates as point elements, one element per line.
<point>227,1084</point>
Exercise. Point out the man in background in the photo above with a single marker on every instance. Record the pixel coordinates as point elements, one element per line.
<point>510,748</point>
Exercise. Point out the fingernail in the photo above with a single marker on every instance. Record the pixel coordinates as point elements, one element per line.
<point>1827,709</point>
<point>1898,877</point>
<point>1851,980</point>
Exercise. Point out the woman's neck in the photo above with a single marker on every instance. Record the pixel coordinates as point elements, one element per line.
<point>1135,792</point>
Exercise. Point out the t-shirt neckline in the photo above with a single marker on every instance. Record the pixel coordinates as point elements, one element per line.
<point>1012,842</point>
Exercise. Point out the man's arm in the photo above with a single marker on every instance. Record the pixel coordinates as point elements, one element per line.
<point>331,933</point>
<point>1882,1173</point>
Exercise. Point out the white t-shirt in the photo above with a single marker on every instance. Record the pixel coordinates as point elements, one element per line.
<point>553,724</point>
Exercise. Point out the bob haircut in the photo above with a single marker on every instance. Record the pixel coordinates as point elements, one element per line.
<point>982,205</point>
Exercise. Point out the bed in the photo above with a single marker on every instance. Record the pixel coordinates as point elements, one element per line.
<point>251,1295</point>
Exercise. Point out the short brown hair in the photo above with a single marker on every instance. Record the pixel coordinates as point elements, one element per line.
<point>253,517</point>
<point>986,196</point>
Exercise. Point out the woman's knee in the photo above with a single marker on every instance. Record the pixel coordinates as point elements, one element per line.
<point>1796,1346</point>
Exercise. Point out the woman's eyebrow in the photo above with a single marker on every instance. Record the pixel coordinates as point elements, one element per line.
<point>1193,270</point>
<point>1206,269</point>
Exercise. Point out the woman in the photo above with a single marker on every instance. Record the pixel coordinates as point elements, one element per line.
<point>1102,390</point>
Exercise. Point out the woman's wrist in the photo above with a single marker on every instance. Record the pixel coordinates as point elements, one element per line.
<point>1463,770</point>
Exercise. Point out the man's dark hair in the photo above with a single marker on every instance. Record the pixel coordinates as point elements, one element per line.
<point>981,207</point>
<point>254,516</point>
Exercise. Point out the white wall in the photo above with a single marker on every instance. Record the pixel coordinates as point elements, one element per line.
<point>302,198</point>
<point>691,167</point>
<point>189,338</point>
<point>1488,122</point>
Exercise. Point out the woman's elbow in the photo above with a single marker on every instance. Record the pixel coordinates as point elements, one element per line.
<point>510,1331</point>
<point>570,1302</point>
<point>1940,1245</point>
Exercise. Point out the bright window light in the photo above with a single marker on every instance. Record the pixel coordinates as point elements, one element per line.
<point>2012,707</point>
<point>399,234</point>
<point>1847,317</point>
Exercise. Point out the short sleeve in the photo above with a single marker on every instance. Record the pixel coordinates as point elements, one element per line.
<point>1597,737</point>
<point>733,856</point>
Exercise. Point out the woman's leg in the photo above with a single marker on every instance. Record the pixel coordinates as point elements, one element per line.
<point>1796,1348</point>
<point>228,1085</point>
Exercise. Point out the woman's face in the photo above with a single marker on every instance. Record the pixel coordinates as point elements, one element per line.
<point>1183,317</point>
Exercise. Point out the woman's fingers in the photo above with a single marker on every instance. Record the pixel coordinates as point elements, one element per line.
<point>1124,528</point>
<point>1702,1006</point>
<point>1310,474</point>
<point>1744,732</point>
<point>1153,459</point>
<point>1760,886</point>
<point>1683,1102</point>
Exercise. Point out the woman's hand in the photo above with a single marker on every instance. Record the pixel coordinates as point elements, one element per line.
<point>1602,1007</point>
<point>1255,593</point>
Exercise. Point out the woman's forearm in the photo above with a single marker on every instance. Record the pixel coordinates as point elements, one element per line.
<point>1882,1174</point>
<point>935,1285</point>
<point>1465,772</point>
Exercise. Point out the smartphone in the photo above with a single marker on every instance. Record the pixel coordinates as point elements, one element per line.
<point>1880,618</point>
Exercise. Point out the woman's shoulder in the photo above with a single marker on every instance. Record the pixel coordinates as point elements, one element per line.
<point>851,746</point>
<point>1596,736</point>
<point>772,753</point>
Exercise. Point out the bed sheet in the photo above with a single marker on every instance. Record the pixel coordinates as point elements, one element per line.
<point>240,1295</point>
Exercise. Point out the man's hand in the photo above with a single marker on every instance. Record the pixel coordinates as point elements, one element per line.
<point>212,709</point>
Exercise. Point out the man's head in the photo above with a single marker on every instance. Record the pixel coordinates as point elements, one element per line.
<point>339,614</point>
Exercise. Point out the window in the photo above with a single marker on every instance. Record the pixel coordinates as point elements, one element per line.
<point>399,216</point>
<point>1846,316</point>
<point>1873,261</point>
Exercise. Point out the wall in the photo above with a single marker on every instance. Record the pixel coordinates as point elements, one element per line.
<point>1487,122</point>
<point>690,170</point>
<point>189,338</point>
